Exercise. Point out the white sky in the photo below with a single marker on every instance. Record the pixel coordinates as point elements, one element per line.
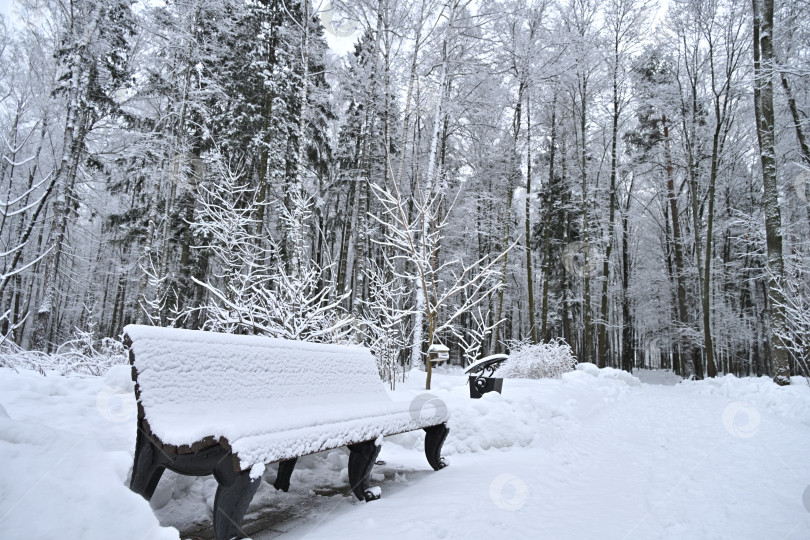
<point>5,8</point>
<point>340,41</point>
<point>338,44</point>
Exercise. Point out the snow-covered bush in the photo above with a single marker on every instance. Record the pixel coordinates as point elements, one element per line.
<point>540,361</point>
<point>259,285</point>
<point>86,355</point>
<point>82,355</point>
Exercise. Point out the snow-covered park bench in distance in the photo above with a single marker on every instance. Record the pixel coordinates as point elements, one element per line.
<point>225,404</point>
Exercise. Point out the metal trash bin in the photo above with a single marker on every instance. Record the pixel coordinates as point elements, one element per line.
<point>482,382</point>
<point>481,385</point>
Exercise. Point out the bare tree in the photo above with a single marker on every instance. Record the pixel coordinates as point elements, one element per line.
<point>448,288</point>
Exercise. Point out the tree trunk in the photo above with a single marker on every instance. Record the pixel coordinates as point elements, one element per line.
<point>693,193</point>
<point>294,238</point>
<point>796,115</point>
<point>586,304</point>
<point>628,351</point>
<point>547,221</point>
<point>409,94</point>
<point>685,361</point>
<point>507,219</point>
<point>708,346</point>
<point>605,315</point>
<point>763,47</point>
<point>423,307</point>
<point>67,173</point>
<point>360,226</point>
<point>528,222</point>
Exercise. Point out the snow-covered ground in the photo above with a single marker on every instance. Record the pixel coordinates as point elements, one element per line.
<point>596,454</point>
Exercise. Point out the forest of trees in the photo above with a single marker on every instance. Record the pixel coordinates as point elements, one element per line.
<point>631,177</point>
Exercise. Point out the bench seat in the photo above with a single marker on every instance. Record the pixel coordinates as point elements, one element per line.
<point>224,404</point>
<point>257,433</point>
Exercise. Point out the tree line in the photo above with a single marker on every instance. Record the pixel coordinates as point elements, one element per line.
<point>628,177</point>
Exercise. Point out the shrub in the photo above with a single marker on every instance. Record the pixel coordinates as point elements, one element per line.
<point>82,355</point>
<point>540,361</point>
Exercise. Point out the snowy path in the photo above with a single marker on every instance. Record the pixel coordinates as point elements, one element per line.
<point>595,454</point>
<point>658,463</point>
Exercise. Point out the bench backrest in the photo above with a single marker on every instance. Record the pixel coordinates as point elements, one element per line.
<point>188,366</point>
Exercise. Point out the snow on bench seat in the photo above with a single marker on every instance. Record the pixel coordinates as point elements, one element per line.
<point>270,399</point>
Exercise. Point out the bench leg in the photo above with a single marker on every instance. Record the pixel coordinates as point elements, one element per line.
<point>231,503</point>
<point>361,460</point>
<point>285,470</point>
<point>147,468</point>
<point>434,439</point>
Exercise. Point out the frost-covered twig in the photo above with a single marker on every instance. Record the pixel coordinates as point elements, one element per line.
<point>796,293</point>
<point>254,288</point>
<point>439,283</point>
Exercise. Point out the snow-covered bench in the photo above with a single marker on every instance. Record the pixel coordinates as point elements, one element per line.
<point>226,405</point>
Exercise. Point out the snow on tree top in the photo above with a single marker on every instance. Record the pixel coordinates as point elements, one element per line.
<point>271,398</point>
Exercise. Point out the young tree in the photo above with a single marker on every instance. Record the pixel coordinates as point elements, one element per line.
<point>448,286</point>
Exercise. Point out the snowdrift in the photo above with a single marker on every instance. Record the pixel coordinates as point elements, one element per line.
<point>66,443</point>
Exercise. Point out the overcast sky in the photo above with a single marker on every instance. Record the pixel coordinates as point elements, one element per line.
<point>5,10</point>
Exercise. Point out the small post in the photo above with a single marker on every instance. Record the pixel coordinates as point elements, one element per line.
<point>436,353</point>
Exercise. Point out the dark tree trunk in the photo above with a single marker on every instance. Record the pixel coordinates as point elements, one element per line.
<point>763,101</point>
